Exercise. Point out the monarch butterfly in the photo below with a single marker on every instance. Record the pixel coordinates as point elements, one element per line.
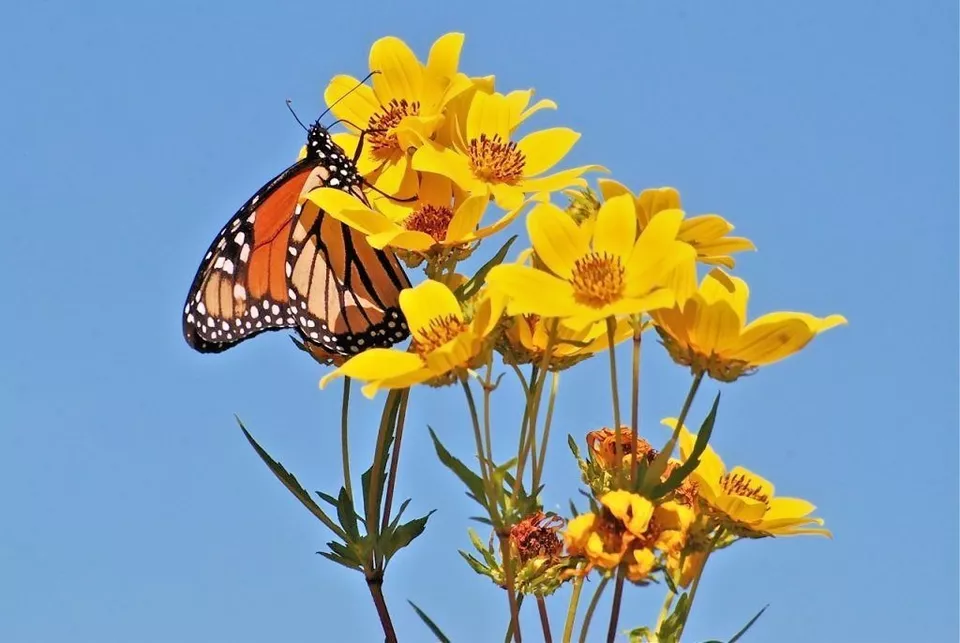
<point>280,263</point>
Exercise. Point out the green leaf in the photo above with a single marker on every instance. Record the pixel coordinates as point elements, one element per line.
<point>429,623</point>
<point>680,473</point>
<point>290,482</point>
<point>736,637</point>
<point>471,287</point>
<point>404,535</point>
<point>573,447</point>
<point>340,561</point>
<point>347,515</point>
<point>326,497</point>
<point>573,510</point>
<point>475,564</point>
<point>396,519</point>
<point>473,481</point>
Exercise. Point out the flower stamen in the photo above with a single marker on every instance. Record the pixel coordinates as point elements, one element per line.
<point>440,331</point>
<point>496,161</point>
<point>740,485</point>
<point>383,140</point>
<point>598,279</point>
<point>432,220</point>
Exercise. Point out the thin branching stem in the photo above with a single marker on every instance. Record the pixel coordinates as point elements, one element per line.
<point>572,609</point>
<point>591,608</point>
<point>551,403</point>
<point>544,620</point>
<point>635,399</point>
<point>394,459</point>
<point>615,392</point>
<point>344,437</point>
<point>615,608</point>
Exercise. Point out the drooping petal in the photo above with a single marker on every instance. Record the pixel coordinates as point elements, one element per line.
<point>393,174</point>
<point>745,510</point>
<point>616,228</point>
<point>715,327</point>
<point>559,180</point>
<point>769,342</point>
<point>466,219</point>
<point>544,149</point>
<point>505,195</point>
<point>703,227</point>
<point>446,162</point>
<point>405,380</point>
<point>349,209</point>
<point>497,225</point>
<point>435,190</point>
<point>376,364</point>
<point>454,354</point>
<point>355,103</point>
<point>556,238</point>
<point>532,291</point>
<point>426,302</point>
<point>401,74</point>
<point>397,237</point>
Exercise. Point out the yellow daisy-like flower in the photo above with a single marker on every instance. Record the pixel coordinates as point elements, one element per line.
<point>741,501</point>
<point>404,108</point>
<point>444,343</point>
<point>594,273</point>
<point>708,332</point>
<point>526,338</point>
<point>432,224</point>
<point>707,233</point>
<point>488,162</point>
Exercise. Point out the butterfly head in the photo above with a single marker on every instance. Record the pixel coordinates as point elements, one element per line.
<point>319,142</point>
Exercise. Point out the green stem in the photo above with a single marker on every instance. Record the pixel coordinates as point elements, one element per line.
<point>376,592</point>
<point>591,608</point>
<point>665,609</point>
<point>544,620</point>
<point>551,402</point>
<point>478,439</point>
<point>374,492</point>
<point>509,571</point>
<point>395,459</point>
<point>615,608</point>
<point>696,579</point>
<point>572,609</point>
<point>672,442</point>
<point>533,406</point>
<point>614,389</point>
<point>344,441</point>
<point>487,391</point>
<point>635,400</point>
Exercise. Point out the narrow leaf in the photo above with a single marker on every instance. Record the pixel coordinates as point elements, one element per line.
<point>396,519</point>
<point>471,287</point>
<point>404,535</point>
<point>339,560</point>
<point>736,637</point>
<point>347,515</point>
<point>680,473</point>
<point>473,481</point>
<point>429,623</point>
<point>290,482</point>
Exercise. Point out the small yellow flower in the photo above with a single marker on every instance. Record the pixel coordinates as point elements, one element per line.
<point>433,224</point>
<point>594,273</point>
<point>488,162</point>
<point>404,107</point>
<point>708,332</point>
<point>742,502</point>
<point>707,233</point>
<point>526,338</point>
<point>444,343</point>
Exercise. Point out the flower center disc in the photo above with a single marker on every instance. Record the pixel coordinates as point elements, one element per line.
<point>430,219</point>
<point>597,279</point>
<point>440,331</point>
<point>491,159</point>
<point>383,141</point>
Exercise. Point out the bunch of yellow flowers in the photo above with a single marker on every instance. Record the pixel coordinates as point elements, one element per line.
<point>439,151</point>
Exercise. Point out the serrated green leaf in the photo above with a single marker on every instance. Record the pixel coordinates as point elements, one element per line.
<point>473,481</point>
<point>290,482</point>
<point>680,473</point>
<point>736,637</point>
<point>403,535</point>
<point>473,285</point>
<point>475,564</point>
<point>396,519</point>
<point>340,561</point>
<point>326,497</point>
<point>429,623</point>
<point>347,515</point>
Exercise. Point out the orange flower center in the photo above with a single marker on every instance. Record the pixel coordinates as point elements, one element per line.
<point>740,485</point>
<point>536,537</point>
<point>496,161</point>
<point>430,219</point>
<point>440,331</point>
<point>383,140</point>
<point>598,279</point>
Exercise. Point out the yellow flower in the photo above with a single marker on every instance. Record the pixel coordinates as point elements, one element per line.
<point>405,105</point>
<point>488,162</point>
<point>741,501</point>
<point>526,337</point>
<point>707,233</point>
<point>594,273</point>
<point>432,224</point>
<point>708,332</point>
<point>444,343</point>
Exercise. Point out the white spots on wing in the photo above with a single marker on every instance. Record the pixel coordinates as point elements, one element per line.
<point>254,312</point>
<point>244,253</point>
<point>218,263</point>
<point>228,267</point>
<point>239,237</point>
<point>267,318</point>
<point>275,309</point>
<point>314,336</point>
<point>289,270</point>
<point>235,224</point>
<point>225,326</point>
<point>201,308</point>
<point>210,322</point>
<point>239,292</point>
<point>190,318</point>
<point>334,182</point>
<point>252,217</point>
<point>292,251</point>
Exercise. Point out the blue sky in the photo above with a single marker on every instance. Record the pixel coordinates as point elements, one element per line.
<point>135,512</point>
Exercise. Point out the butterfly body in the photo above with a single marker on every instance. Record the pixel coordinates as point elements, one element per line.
<point>283,263</point>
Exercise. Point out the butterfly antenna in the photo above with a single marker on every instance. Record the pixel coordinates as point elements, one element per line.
<point>290,107</point>
<point>352,89</point>
<point>382,193</point>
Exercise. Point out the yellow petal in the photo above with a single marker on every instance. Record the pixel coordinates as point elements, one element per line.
<point>454,354</point>
<point>652,201</point>
<point>405,380</point>
<point>544,149</point>
<point>393,175</point>
<point>754,481</point>
<point>435,190</point>
<point>506,196</point>
<point>770,341</point>
<point>426,302</point>
<point>444,58</point>
<point>559,180</point>
<point>376,364</point>
<point>518,101</point>
<point>349,209</point>
<point>397,237</point>
<point>788,508</point>
<point>715,327</point>
<point>489,312</point>
<point>401,75</point>
<point>414,131</point>
<point>488,114</point>
<point>497,225</point>
<point>704,227</point>
<point>446,162</point>
<point>616,228</point>
<point>743,509</point>
<point>466,219</point>
<point>610,188</point>
<point>355,103</point>
<point>532,291</point>
<point>556,238</point>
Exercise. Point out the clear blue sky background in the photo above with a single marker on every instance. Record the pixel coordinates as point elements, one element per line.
<point>133,510</point>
